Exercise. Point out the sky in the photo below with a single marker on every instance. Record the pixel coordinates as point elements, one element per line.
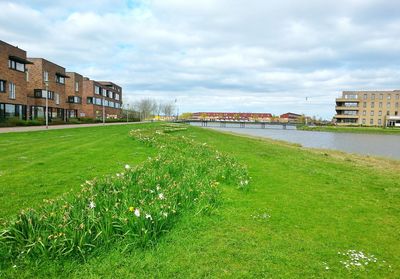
<point>218,55</point>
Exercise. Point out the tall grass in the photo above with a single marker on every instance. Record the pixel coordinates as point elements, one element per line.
<point>136,206</point>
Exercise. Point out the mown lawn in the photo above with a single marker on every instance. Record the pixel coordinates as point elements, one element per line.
<point>302,209</point>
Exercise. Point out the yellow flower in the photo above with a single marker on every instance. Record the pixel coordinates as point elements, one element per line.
<point>131,209</point>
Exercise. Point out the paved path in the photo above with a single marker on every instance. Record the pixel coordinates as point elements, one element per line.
<point>57,127</point>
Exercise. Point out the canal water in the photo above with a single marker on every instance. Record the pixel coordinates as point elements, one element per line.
<point>365,144</point>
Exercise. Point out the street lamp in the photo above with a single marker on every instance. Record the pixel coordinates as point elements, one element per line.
<point>47,104</point>
<point>127,113</point>
<point>104,112</point>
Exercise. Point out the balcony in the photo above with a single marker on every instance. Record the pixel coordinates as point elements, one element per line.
<point>346,108</point>
<point>346,116</point>
<point>343,100</point>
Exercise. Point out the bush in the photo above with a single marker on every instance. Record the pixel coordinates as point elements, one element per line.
<point>74,121</point>
<point>37,122</point>
<point>86,120</point>
<point>57,121</point>
<point>137,205</point>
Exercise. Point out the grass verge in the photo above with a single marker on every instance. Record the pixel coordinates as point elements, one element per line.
<point>304,208</point>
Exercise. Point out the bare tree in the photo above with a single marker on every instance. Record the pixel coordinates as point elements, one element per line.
<point>168,109</point>
<point>146,107</point>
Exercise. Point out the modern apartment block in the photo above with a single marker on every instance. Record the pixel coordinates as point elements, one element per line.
<point>74,95</point>
<point>101,97</point>
<point>369,108</point>
<point>13,84</point>
<point>26,83</point>
<point>45,77</point>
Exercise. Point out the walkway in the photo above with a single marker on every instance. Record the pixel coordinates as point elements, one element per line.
<point>57,127</point>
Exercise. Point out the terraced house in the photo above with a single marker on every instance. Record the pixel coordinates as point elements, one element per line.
<point>13,82</point>
<point>45,77</point>
<point>101,98</point>
<point>369,108</point>
<point>26,84</point>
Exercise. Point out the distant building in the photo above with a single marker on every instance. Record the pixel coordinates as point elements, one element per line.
<point>74,95</point>
<point>369,108</point>
<point>290,117</point>
<point>13,82</point>
<point>231,116</point>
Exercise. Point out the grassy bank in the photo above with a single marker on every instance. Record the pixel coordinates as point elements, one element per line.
<point>362,130</point>
<point>303,209</point>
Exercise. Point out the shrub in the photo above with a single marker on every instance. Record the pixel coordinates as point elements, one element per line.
<point>74,121</point>
<point>137,205</point>
<point>36,122</point>
<point>86,120</point>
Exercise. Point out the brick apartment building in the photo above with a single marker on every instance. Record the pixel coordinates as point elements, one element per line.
<point>369,108</point>
<point>24,83</point>
<point>74,95</point>
<point>99,96</point>
<point>13,84</point>
<point>40,73</point>
<point>231,116</point>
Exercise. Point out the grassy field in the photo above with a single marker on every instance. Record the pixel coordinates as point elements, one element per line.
<point>304,207</point>
<point>363,130</point>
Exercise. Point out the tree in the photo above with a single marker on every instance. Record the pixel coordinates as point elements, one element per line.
<point>146,107</point>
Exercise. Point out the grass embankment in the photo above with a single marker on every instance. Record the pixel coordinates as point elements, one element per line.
<point>303,208</point>
<point>362,130</point>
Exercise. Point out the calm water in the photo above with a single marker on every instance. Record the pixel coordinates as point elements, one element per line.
<point>366,144</point>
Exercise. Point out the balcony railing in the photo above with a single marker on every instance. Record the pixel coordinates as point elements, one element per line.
<point>346,108</point>
<point>346,116</point>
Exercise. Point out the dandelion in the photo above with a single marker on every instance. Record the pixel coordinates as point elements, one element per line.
<point>161,196</point>
<point>137,212</point>
<point>127,167</point>
<point>92,205</point>
<point>131,209</point>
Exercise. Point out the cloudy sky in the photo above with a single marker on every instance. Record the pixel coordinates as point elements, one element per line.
<point>218,55</point>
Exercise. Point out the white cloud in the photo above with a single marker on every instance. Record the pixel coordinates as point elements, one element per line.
<point>218,55</point>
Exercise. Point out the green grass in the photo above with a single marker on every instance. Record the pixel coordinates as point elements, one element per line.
<point>319,203</point>
<point>342,129</point>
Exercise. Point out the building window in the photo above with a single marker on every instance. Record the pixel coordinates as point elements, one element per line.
<point>39,93</point>
<point>371,122</point>
<point>379,121</point>
<point>388,104</point>
<point>372,113</point>
<point>46,76</point>
<point>27,75</point>
<point>98,101</point>
<point>74,99</point>
<point>380,104</point>
<point>380,113</point>
<point>97,90</point>
<point>76,86</point>
<point>365,96</point>
<point>373,97</point>
<point>104,92</point>
<point>117,97</point>
<point>2,86</point>
<point>364,104</point>
<point>389,97</point>
<point>387,112</point>
<point>89,100</point>
<point>16,65</point>
<point>364,112</point>
<point>60,79</point>
<point>397,97</point>
<point>11,91</point>
<point>396,105</point>
<point>106,103</point>
<point>372,104</point>
<point>364,121</point>
<point>381,97</point>
<point>57,98</point>
<point>351,96</point>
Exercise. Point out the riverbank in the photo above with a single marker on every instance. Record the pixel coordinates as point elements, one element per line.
<point>361,130</point>
<point>304,211</point>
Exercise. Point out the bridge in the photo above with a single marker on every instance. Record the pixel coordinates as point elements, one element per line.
<point>242,124</point>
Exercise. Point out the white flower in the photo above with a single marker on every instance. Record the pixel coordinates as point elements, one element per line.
<point>118,175</point>
<point>158,188</point>
<point>92,205</point>
<point>161,196</point>
<point>148,216</point>
<point>165,214</point>
<point>14,266</point>
<point>137,212</point>
<point>127,167</point>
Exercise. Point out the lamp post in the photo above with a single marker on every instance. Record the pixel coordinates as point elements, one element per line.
<point>104,112</point>
<point>127,113</point>
<point>47,104</point>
